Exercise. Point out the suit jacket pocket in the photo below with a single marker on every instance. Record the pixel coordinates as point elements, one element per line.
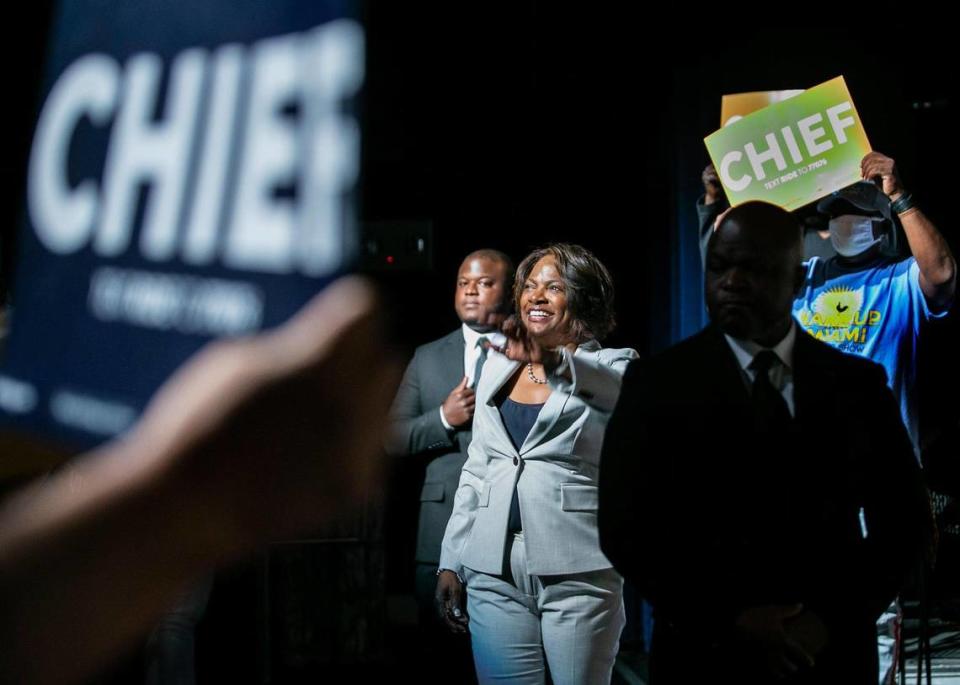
<point>432,492</point>
<point>576,497</point>
<point>484,500</point>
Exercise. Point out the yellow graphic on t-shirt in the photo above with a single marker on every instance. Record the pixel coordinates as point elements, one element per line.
<point>837,307</point>
<point>836,316</point>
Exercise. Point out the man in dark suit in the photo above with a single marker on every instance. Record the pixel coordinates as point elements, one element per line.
<point>433,409</point>
<point>757,485</point>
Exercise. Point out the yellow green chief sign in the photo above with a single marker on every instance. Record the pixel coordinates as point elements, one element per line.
<point>792,152</point>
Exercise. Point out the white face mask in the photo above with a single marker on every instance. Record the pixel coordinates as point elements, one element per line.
<point>852,235</point>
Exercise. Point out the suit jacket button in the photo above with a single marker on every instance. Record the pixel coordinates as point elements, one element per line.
<point>515,461</point>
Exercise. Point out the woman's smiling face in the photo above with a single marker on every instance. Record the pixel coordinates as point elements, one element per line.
<point>543,305</point>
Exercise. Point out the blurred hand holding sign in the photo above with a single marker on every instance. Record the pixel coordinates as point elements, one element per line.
<point>192,175</point>
<point>794,151</point>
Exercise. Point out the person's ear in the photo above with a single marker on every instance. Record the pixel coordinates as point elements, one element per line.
<point>720,217</point>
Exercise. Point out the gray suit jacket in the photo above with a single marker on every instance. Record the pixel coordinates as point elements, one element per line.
<point>555,471</point>
<point>436,368</point>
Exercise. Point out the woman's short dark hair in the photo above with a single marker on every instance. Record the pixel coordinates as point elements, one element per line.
<point>589,288</point>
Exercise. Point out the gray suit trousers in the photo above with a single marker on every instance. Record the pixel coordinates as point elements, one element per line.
<point>574,621</point>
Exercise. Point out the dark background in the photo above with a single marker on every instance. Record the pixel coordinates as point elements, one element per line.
<point>518,125</point>
<point>523,123</point>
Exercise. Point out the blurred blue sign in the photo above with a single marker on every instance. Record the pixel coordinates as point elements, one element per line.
<point>192,175</point>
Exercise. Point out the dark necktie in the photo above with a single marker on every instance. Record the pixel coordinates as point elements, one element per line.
<point>481,359</point>
<point>769,407</point>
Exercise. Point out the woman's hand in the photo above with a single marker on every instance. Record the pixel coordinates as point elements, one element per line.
<point>522,347</point>
<point>449,601</point>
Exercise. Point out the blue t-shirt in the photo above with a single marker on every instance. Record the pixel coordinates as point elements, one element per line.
<point>875,313</point>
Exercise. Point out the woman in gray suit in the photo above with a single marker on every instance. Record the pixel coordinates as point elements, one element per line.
<point>523,534</point>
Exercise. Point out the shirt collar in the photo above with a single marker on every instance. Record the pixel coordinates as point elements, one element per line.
<point>470,337</point>
<point>746,350</point>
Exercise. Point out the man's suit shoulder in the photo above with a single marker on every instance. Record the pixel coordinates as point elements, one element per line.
<point>687,354</point>
<point>841,363</point>
<point>696,361</point>
<point>454,336</point>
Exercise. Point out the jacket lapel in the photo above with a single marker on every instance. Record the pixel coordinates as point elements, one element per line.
<point>552,409</point>
<point>546,419</point>
<point>453,352</point>
<point>813,372</point>
<point>500,370</point>
<point>724,376</point>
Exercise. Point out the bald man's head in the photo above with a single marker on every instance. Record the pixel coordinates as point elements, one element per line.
<point>772,228</point>
<point>753,271</point>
